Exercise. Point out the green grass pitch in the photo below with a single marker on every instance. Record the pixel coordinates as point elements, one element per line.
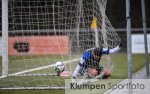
<point>119,72</point>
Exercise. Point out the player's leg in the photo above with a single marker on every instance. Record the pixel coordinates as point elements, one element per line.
<point>107,73</point>
<point>76,71</point>
<point>91,72</point>
<point>104,73</point>
<point>98,73</point>
<point>79,68</point>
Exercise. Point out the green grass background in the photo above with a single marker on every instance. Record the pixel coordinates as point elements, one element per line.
<point>119,72</point>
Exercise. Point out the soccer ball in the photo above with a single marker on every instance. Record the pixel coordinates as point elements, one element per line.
<point>59,66</point>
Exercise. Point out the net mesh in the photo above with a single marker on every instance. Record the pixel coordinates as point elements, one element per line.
<point>42,32</point>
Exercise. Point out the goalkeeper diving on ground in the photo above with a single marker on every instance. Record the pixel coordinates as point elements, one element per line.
<point>89,63</point>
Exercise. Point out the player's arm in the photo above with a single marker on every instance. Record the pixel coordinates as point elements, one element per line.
<point>116,49</point>
<point>113,50</point>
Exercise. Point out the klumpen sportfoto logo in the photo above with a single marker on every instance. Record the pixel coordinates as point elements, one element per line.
<point>119,85</point>
<point>109,85</point>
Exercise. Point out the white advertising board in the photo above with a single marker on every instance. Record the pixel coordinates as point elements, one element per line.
<point>138,43</point>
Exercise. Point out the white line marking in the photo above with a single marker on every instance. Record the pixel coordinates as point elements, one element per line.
<point>39,68</point>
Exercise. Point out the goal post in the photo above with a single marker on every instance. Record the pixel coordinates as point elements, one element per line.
<point>4,38</point>
<point>41,32</point>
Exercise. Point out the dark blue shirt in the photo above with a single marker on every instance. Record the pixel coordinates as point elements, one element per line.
<point>88,59</point>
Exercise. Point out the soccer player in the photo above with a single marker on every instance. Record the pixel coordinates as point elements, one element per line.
<point>90,60</point>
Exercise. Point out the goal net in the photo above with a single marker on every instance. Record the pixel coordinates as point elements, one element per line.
<point>42,32</point>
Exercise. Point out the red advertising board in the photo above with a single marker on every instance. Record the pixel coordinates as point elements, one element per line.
<point>38,45</point>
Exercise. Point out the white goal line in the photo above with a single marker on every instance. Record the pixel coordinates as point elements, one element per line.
<point>39,68</point>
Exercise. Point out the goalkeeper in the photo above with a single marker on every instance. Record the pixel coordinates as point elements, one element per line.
<point>90,60</point>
